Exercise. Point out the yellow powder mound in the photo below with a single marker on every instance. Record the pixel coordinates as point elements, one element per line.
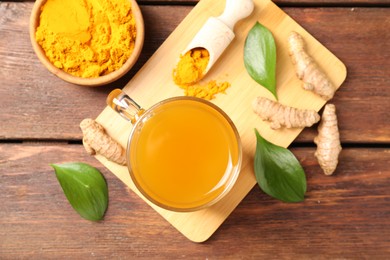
<point>87,38</point>
<point>191,67</point>
<point>207,91</point>
<point>190,70</point>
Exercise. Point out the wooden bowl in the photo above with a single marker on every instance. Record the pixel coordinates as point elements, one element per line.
<point>91,82</point>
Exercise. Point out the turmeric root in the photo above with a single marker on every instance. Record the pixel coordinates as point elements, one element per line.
<point>281,115</point>
<point>328,140</point>
<point>307,69</point>
<point>97,141</point>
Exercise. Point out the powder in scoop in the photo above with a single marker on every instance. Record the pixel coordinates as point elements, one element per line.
<point>190,70</point>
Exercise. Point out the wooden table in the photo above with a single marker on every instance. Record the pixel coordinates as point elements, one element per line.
<point>344,216</point>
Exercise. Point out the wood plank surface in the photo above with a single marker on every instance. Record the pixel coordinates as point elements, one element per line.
<point>344,216</point>
<point>48,105</point>
<point>278,2</point>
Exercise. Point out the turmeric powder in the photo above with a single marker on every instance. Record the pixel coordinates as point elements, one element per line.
<point>190,70</point>
<point>207,91</point>
<point>191,67</point>
<point>87,38</point>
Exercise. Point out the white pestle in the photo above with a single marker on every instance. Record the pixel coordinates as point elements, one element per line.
<point>217,33</point>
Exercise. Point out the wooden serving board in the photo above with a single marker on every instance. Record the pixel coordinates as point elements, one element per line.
<point>154,83</point>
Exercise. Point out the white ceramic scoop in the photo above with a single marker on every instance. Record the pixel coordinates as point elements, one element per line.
<point>217,33</point>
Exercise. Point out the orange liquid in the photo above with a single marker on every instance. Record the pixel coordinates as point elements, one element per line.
<point>186,155</point>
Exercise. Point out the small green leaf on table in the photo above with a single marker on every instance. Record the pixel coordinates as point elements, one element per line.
<point>84,187</point>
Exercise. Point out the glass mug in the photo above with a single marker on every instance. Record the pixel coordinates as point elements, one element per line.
<point>183,153</point>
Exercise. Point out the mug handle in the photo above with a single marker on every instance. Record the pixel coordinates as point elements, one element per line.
<point>120,102</point>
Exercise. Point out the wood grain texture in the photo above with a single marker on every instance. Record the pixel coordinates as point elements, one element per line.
<point>344,216</point>
<point>46,104</point>
<point>279,2</point>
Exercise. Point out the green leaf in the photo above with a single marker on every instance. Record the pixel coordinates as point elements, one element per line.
<point>260,57</point>
<point>278,172</point>
<point>84,187</point>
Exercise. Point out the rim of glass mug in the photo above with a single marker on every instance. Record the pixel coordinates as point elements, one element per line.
<point>131,111</point>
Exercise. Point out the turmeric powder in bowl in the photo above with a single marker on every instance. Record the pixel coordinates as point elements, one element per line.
<point>87,38</point>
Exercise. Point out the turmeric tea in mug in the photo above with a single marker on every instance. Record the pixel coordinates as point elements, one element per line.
<point>184,154</point>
